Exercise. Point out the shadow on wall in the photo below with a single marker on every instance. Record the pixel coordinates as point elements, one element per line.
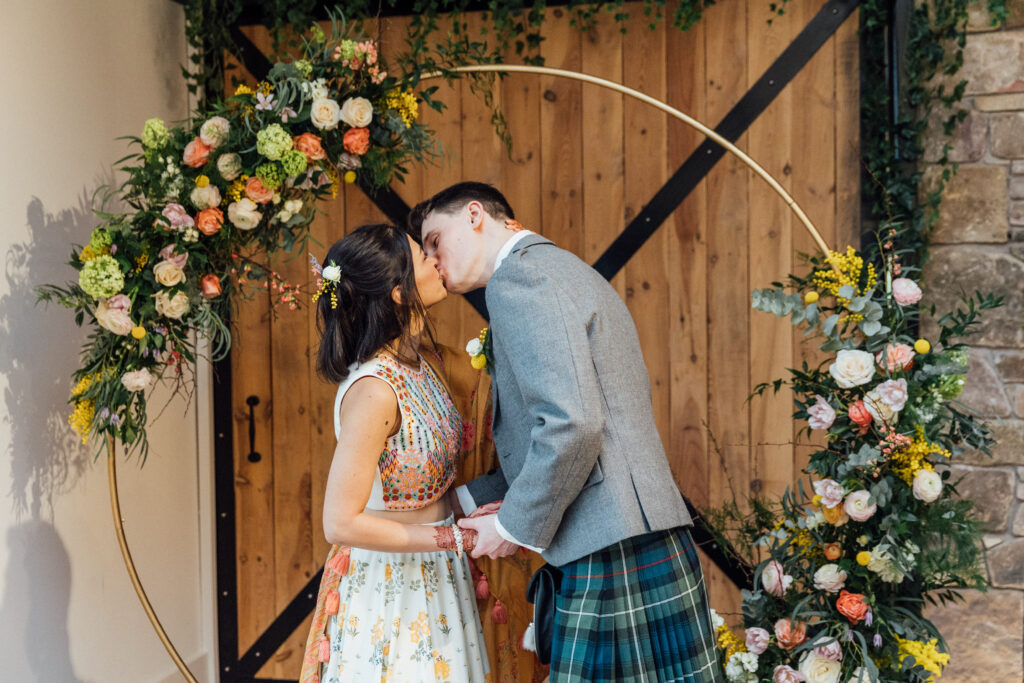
<point>34,606</point>
<point>39,349</point>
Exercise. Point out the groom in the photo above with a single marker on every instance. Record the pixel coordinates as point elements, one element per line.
<point>583,474</point>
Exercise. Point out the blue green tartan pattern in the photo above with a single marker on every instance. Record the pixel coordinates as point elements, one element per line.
<point>635,611</point>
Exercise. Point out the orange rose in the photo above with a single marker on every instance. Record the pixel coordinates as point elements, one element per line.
<point>790,635</point>
<point>309,144</point>
<point>210,286</point>
<point>255,190</point>
<point>860,416</point>
<point>357,140</point>
<point>852,605</point>
<point>833,550</point>
<point>836,515</point>
<point>896,356</point>
<point>209,221</point>
<point>196,153</point>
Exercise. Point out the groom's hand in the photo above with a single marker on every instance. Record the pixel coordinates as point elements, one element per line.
<point>489,542</point>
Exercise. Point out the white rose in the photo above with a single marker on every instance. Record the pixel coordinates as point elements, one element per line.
<point>852,368</point>
<point>205,197</point>
<point>293,205</point>
<point>474,347</point>
<point>742,668</point>
<point>331,273</point>
<point>927,485</point>
<point>325,113</point>
<point>881,563</point>
<point>244,214</point>
<point>829,578</point>
<point>357,112</point>
<point>229,165</point>
<point>172,307</point>
<point>116,320</point>
<point>168,274</point>
<point>817,669</point>
<point>881,411</point>
<point>214,131</point>
<point>137,380</point>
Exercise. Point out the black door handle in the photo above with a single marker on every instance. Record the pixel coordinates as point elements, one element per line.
<point>252,402</point>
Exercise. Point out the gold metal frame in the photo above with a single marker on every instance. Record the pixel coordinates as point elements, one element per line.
<point>510,68</point>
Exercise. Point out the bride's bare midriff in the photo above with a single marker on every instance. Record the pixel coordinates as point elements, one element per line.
<point>434,512</point>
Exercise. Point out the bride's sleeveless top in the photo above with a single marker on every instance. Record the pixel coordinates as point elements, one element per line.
<point>418,462</point>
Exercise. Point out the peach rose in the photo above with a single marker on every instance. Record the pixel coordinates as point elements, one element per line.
<point>852,606</point>
<point>833,551</point>
<point>209,221</point>
<point>168,274</point>
<point>255,190</point>
<point>789,635</point>
<point>896,356</point>
<point>172,307</point>
<point>836,516</point>
<point>196,153</point>
<point>210,286</point>
<point>309,144</point>
<point>860,416</point>
<point>112,317</point>
<point>357,140</point>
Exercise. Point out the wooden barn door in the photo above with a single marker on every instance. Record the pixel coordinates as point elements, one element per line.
<point>585,162</point>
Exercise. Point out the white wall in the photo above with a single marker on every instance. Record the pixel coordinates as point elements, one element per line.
<point>75,76</point>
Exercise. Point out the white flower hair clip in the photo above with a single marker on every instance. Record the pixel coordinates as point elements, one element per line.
<point>330,273</point>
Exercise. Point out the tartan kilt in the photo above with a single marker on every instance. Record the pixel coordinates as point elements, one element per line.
<point>635,611</point>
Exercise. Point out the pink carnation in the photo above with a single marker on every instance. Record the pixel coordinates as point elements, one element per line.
<point>905,291</point>
<point>830,490</point>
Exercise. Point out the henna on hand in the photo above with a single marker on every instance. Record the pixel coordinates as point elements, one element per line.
<point>444,538</point>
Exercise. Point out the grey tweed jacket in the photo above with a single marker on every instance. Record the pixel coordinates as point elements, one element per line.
<point>582,464</point>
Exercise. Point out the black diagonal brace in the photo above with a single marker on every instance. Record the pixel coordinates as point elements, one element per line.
<point>283,625</point>
<point>735,123</point>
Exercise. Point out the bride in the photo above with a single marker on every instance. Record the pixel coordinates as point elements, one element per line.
<point>397,601</point>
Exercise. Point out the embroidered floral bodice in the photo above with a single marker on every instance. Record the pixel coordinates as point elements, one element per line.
<point>418,462</point>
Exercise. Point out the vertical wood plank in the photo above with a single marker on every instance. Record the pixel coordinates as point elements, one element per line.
<point>770,238</point>
<point>728,332</point>
<point>561,137</point>
<point>254,482</point>
<point>847,154</point>
<point>646,274</point>
<point>604,160</point>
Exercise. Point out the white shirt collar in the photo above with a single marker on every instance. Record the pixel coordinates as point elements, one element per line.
<point>506,248</point>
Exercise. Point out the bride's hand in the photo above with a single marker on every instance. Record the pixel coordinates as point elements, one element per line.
<point>489,542</point>
<point>487,509</point>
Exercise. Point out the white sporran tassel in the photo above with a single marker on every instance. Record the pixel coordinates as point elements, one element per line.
<point>530,639</point>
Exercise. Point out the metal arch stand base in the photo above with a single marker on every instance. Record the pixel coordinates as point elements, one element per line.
<point>115,507</point>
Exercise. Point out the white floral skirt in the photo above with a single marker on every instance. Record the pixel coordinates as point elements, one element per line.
<point>406,617</point>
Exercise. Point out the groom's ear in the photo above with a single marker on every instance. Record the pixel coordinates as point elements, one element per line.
<point>476,215</point>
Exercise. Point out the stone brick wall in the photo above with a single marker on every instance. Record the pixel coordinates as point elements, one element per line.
<point>978,244</point>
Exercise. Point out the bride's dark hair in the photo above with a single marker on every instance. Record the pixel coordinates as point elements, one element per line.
<point>373,259</point>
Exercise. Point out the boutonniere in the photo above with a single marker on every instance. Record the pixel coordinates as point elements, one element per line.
<point>479,350</point>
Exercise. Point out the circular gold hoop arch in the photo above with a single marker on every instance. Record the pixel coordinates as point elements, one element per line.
<point>658,104</point>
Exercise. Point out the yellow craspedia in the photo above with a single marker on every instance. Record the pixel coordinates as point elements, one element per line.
<point>202,181</point>
<point>863,558</point>
<point>350,176</point>
<point>138,331</point>
<point>922,346</point>
<point>811,297</point>
<point>478,362</point>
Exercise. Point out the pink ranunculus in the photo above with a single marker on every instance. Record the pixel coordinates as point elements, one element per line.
<point>167,254</point>
<point>119,302</point>
<point>787,674</point>
<point>896,356</point>
<point>859,508</point>
<point>830,490</point>
<point>905,291</point>
<point>828,648</point>
<point>822,415</point>
<point>177,216</point>
<point>893,392</point>
<point>775,579</point>
<point>757,640</point>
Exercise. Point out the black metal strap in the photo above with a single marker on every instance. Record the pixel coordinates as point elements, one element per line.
<point>735,123</point>
<point>253,59</point>
<point>282,627</point>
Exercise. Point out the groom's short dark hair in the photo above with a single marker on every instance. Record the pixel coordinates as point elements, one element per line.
<point>455,197</point>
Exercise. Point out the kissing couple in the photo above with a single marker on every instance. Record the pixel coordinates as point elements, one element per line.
<point>582,478</point>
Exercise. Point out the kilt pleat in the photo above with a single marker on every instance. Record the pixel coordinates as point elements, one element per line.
<point>635,611</point>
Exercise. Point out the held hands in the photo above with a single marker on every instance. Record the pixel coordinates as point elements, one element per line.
<point>488,541</point>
